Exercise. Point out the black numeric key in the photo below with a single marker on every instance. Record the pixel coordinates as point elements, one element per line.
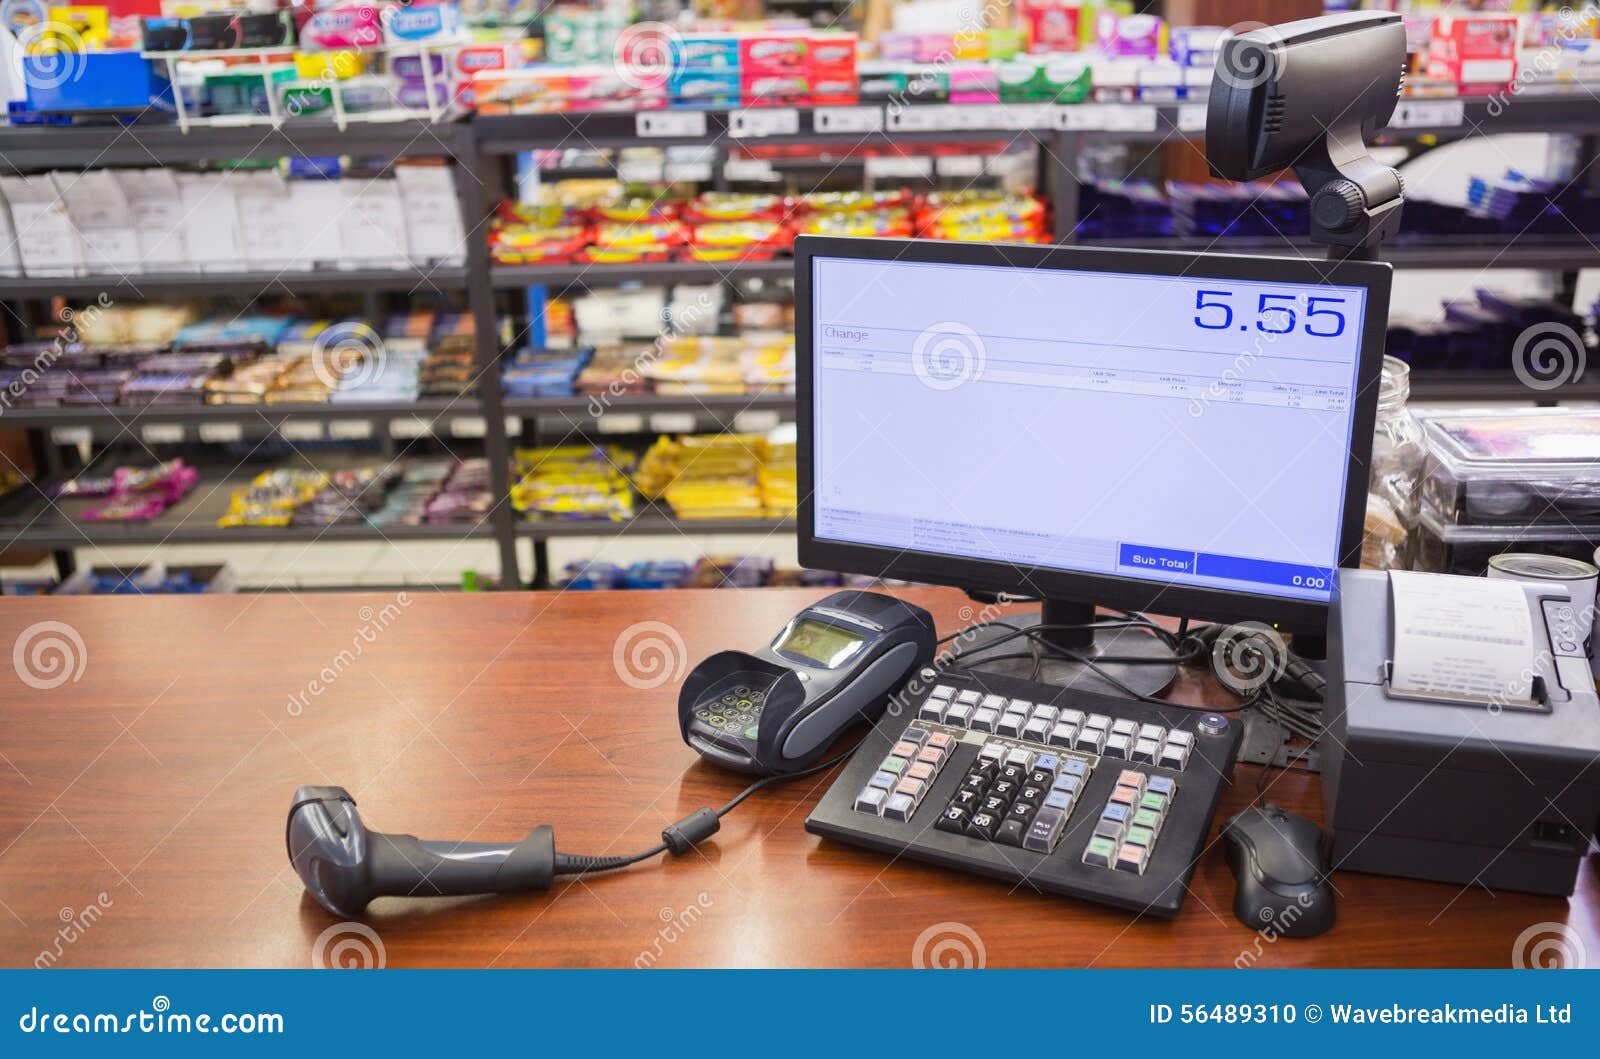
<point>975,782</point>
<point>983,825</point>
<point>954,819</point>
<point>994,806</point>
<point>1022,811</point>
<point>1003,789</point>
<point>1011,832</point>
<point>1014,773</point>
<point>967,800</point>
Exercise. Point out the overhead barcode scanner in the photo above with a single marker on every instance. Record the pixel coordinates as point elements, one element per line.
<point>1307,96</point>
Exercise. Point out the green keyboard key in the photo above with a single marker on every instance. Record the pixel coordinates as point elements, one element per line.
<point>1156,803</point>
<point>1099,852</point>
<point>1140,836</point>
<point>1147,818</point>
<point>893,764</point>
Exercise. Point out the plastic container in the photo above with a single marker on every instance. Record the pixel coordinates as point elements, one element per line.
<point>1534,466</point>
<point>1496,481</point>
<point>1396,467</point>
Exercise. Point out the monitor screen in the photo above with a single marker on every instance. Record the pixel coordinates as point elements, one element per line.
<point>1177,429</point>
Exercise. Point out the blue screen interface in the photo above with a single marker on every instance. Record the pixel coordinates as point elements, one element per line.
<point>1179,429</point>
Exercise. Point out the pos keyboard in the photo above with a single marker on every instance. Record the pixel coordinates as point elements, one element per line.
<point>1093,796</point>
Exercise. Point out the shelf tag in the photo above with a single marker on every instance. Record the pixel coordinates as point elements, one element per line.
<point>673,422</point>
<point>847,119</point>
<point>1428,113</point>
<point>620,423</point>
<point>300,430</point>
<point>960,165</point>
<point>468,427</point>
<point>409,427</point>
<point>764,121</point>
<point>742,169</point>
<point>221,433</point>
<point>349,429</point>
<point>1123,117</point>
<point>1080,117</point>
<point>661,123</point>
<point>899,166</point>
<point>162,434</point>
<point>924,118</point>
<point>1192,117</point>
<point>71,435</point>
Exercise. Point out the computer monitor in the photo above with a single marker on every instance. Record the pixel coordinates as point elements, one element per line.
<point>1181,433</point>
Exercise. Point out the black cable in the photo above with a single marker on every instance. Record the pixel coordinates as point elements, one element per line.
<point>687,833</point>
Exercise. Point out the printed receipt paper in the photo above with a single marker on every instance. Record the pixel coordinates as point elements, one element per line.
<point>1470,637</point>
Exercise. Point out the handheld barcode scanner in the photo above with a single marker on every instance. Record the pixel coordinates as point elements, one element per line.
<point>775,713</point>
<point>1307,96</point>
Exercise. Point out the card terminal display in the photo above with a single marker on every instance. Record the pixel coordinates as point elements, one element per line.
<point>822,643</point>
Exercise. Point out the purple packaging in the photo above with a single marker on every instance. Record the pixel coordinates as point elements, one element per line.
<point>413,95</point>
<point>897,47</point>
<point>1130,36</point>
<point>1196,45</point>
<point>409,67</point>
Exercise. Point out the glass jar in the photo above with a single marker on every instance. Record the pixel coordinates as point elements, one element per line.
<point>1397,458</point>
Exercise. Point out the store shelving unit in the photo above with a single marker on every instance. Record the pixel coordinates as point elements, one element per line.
<point>483,151</point>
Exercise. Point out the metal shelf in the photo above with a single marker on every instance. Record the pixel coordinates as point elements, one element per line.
<point>500,134</point>
<point>1496,386</point>
<point>250,284</point>
<point>34,147</point>
<point>651,520</point>
<point>120,415</point>
<point>507,277</point>
<point>591,408</point>
<point>1418,116</point>
<point>1440,252</point>
<point>27,519</point>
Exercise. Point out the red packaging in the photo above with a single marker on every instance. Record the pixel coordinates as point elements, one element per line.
<point>774,90</point>
<point>1476,51</point>
<point>831,69</point>
<point>832,52</point>
<point>1052,26</point>
<point>772,54</point>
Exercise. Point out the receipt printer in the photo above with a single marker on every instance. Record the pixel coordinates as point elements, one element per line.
<point>1463,731</point>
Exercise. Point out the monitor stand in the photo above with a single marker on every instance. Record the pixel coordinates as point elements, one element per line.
<point>1154,671</point>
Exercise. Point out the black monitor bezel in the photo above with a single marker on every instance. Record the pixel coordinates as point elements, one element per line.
<point>1291,615</point>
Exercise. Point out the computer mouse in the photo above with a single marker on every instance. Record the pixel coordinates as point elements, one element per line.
<point>1280,867</point>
